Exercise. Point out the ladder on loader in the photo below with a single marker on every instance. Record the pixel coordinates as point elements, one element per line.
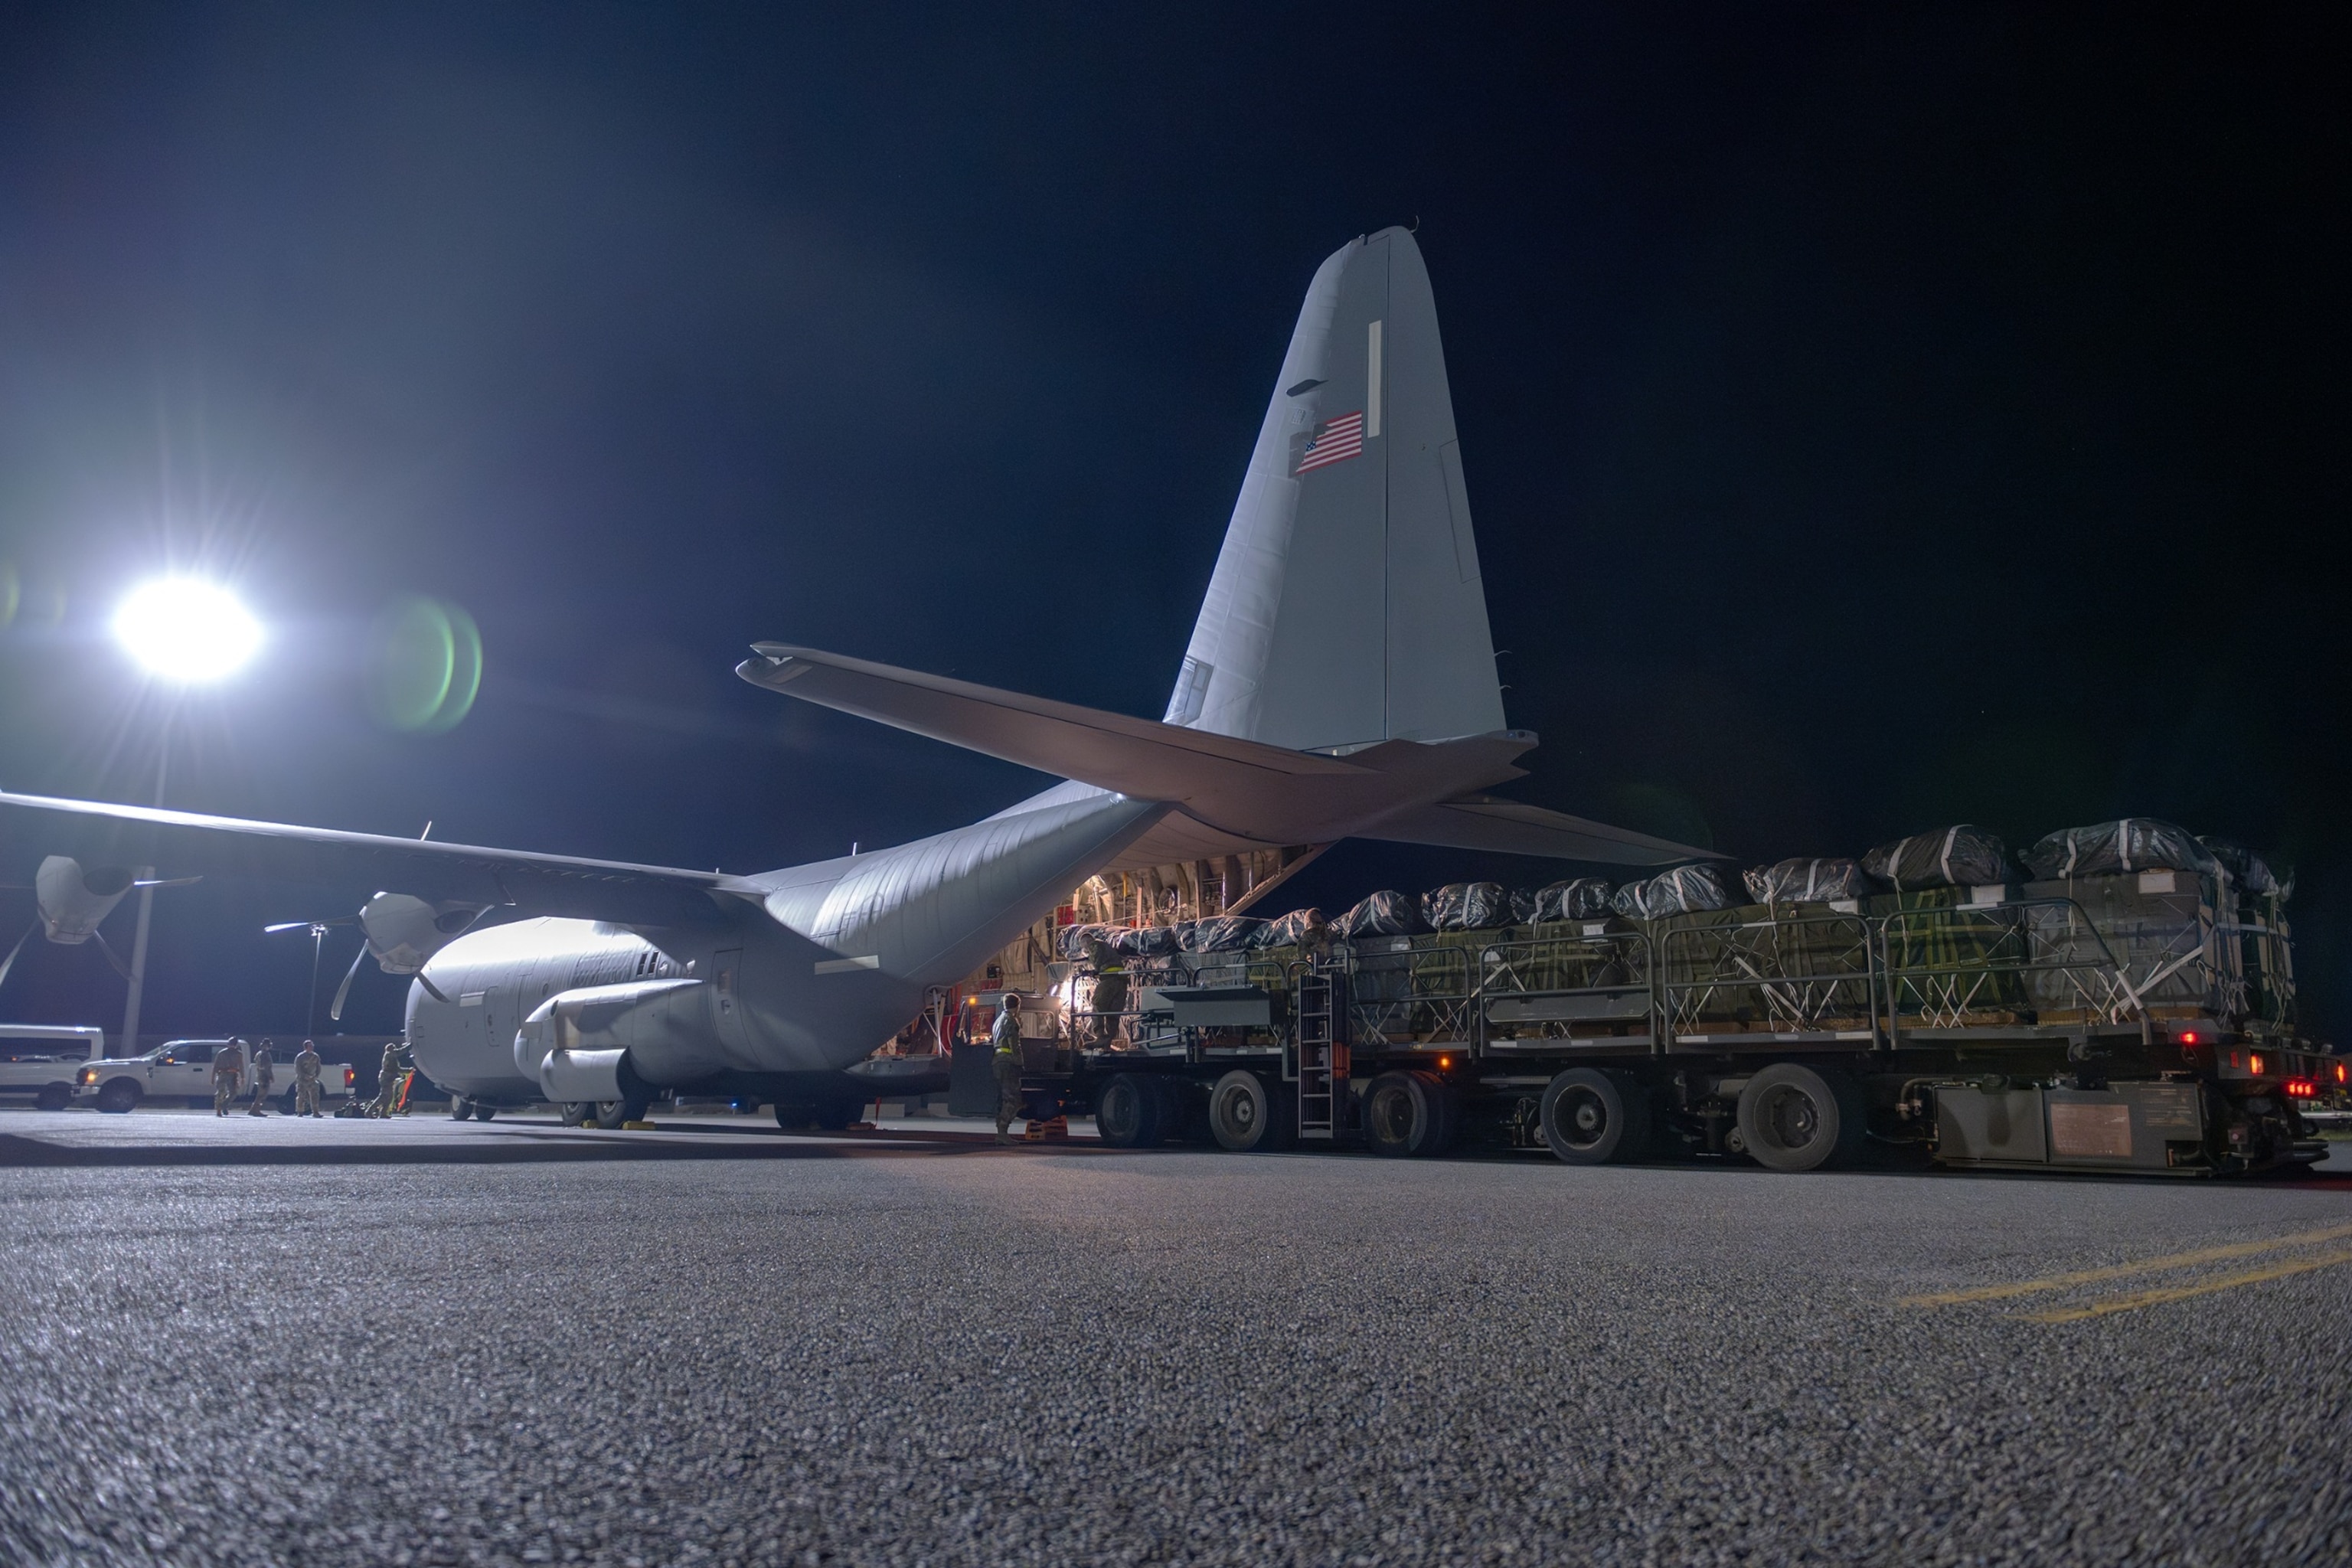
<point>1322,1005</point>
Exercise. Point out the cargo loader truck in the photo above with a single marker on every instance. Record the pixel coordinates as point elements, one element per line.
<point>2142,1021</point>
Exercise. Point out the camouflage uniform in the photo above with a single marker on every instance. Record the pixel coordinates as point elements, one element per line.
<point>264,1073</point>
<point>229,1071</point>
<point>1006,1035</point>
<point>387,1083</point>
<point>306,1080</point>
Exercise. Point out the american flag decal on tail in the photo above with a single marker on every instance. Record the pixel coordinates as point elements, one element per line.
<point>1334,441</point>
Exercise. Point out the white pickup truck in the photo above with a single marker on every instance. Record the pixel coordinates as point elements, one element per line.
<point>182,1071</point>
<point>37,1061</point>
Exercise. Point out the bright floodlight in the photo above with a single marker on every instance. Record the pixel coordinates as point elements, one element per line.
<point>186,630</point>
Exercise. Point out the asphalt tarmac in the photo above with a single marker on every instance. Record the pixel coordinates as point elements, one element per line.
<point>421,1341</point>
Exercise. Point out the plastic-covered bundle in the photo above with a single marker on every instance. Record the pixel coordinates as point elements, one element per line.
<point>1581,899</point>
<point>1079,941</point>
<point>1685,890</point>
<point>1959,857</point>
<point>1384,913</point>
<point>1146,941</point>
<point>1806,881</point>
<point>2118,848</point>
<point>1223,933</point>
<point>1299,928</point>
<point>2246,869</point>
<point>1466,906</point>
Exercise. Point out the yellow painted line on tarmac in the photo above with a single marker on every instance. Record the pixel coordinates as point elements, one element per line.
<point>2137,1299</point>
<point>2126,1270</point>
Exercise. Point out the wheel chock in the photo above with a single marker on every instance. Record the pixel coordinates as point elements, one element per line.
<point>637,1127</point>
<point>1057,1129</point>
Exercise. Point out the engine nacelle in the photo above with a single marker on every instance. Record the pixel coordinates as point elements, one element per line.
<point>73,902</point>
<point>404,931</point>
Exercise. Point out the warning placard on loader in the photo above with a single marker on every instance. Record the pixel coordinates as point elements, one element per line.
<point>2090,1131</point>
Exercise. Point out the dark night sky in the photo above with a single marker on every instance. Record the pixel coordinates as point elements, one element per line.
<point>1873,420</point>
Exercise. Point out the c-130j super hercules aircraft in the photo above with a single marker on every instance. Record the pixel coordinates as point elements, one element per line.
<point>1339,682</point>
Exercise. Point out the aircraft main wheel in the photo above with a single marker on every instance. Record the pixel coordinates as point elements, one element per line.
<point>1409,1114</point>
<point>1246,1115</point>
<point>118,1098</point>
<point>53,1097</point>
<point>837,1114</point>
<point>1591,1118</point>
<point>794,1117</point>
<point>460,1107</point>
<point>613,1113</point>
<point>1130,1112</point>
<point>576,1112</point>
<point>484,1112</point>
<point>1796,1118</point>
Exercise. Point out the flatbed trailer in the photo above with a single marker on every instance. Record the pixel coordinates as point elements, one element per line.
<point>2142,1023</point>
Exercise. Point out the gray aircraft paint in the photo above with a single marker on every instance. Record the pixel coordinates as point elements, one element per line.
<point>1345,607</point>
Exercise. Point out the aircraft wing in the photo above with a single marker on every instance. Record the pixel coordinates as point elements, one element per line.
<point>179,843</point>
<point>1483,822</point>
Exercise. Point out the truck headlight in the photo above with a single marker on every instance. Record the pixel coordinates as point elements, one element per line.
<point>86,1077</point>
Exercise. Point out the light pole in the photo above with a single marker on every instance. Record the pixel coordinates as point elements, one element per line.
<point>186,631</point>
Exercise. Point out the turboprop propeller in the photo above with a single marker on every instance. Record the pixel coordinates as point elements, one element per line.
<point>401,932</point>
<point>70,902</point>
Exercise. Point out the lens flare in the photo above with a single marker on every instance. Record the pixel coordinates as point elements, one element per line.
<point>186,630</point>
<point>426,666</point>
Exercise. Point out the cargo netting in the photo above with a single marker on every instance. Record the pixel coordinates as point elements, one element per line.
<point>1806,881</point>
<point>1683,890</point>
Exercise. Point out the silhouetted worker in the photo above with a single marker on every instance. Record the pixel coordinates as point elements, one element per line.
<point>306,1080</point>
<point>1110,992</point>
<point>1006,1038</point>
<point>229,1071</point>
<point>387,1078</point>
<point>264,1073</point>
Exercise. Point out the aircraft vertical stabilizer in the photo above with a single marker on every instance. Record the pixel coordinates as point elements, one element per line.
<point>1347,606</point>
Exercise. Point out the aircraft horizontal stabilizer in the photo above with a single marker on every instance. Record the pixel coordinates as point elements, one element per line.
<point>1133,756</point>
<point>1481,822</point>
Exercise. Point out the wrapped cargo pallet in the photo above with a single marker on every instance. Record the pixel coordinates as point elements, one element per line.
<point>2119,849</point>
<point>1223,933</point>
<point>1466,906</point>
<point>1684,889</point>
<point>1959,857</point>
<point>1581,899</point>
<point>2251,873</point>
<point>1145,942</point>
<point>1384,913</point>
<point>1806,881</point>
<point>2107,947</point>
<point>1299,928</point>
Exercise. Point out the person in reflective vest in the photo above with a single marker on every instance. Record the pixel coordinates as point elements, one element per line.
<point>1006,1035</point>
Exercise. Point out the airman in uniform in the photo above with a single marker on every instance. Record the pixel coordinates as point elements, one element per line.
<point>387,1082</point>
<point>229,1071</point>
<point>1110,992</point>
<point>1006,1035</point>
<point>264,1073</point>
<point>306,1080</point>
